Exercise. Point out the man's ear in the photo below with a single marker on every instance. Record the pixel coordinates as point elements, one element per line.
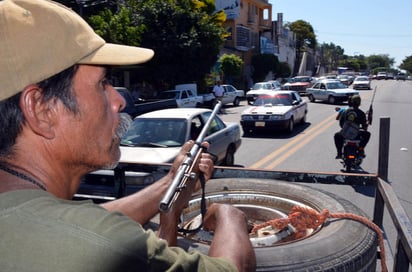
<point>39,114</point>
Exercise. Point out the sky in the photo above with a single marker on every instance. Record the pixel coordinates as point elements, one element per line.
<point>360,27</point>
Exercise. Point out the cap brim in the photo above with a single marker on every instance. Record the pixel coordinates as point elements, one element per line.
<point>115,54</point>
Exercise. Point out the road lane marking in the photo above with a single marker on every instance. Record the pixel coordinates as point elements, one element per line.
<point>298,146</point>
<point>295,142</point>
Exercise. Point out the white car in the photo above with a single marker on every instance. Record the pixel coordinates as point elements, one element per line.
<point>330,90</point>
<point>258,89</point>
<point>232,95</point>
<point>157,136</point>
<point>361,82</point>
<point>279,110</point>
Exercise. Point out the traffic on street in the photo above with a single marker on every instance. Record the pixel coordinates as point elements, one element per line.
<point>310,148</point>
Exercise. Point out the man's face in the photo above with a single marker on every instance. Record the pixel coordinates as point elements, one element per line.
<point>90,134</point>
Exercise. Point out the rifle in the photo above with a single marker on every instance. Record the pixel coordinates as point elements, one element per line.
<point>370,111</point>
<point>186,176</point>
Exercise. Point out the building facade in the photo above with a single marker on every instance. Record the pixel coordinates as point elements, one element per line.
<point>246,22</point>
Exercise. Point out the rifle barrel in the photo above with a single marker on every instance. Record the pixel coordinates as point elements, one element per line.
<point>179,179</point>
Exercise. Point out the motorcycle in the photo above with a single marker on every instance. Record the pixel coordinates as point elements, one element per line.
<point>352,157</point>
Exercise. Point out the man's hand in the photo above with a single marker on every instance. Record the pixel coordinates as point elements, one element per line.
<point>205,165</point>
<point>231,236</point>
<point>170,219</point>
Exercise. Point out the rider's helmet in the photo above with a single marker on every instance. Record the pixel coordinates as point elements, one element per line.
<point>355,101</point>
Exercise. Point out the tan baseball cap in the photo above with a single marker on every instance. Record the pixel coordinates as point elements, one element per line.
<point>40,38</point>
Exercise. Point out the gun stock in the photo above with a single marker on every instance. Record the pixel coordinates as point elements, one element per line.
<point>186,176</point>
<point>370,111</point>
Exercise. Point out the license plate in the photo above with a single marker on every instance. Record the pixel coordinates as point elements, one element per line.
<point>259,124</point>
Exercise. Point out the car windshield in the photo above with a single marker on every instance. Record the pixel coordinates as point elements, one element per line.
<point>299,79</point>
<point>361,79</point>
<point>152,132</point>
<point>277,100</point>
<point>259,86</point>
<point>336,85</point>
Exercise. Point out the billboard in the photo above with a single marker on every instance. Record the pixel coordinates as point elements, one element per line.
<point>230,7</point>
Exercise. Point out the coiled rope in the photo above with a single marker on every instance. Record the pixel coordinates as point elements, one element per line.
<point>303,218</point>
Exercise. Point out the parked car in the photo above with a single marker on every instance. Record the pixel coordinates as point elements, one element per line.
<point>134,108</point>
<point>276,84</point>
<point>331,91</point>
<point>401,76</point>
<point>232,95</point>
<point>185,98</point>
<point>279,110</point>
<point>361,82</point>
<point>381,75</point>
<point>299,84</point>
<point>390,76</point>
<point>258,89</point>
<point>157,137</point>
<point>130,106</point>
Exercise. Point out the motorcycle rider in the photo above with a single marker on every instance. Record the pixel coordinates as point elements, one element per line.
<point>359,117</point>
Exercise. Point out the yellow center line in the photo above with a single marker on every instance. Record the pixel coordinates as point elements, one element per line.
<point>298,146</point>
<point>295,142</point>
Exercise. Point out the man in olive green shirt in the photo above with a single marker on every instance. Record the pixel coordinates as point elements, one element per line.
<point>60,119</point>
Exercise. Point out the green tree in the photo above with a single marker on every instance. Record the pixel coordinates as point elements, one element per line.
<point>305,35</point>
<point>407,64</point>
<point>305,38</point>
<point>263,64</point>
<point>185,35</point>
<point>284,70</point>
<point>351,64</point>
<point>362,61</point>
<point>379,61</point>
<point>331,54</point>
<point>231,66</point>
<point>116,28</point>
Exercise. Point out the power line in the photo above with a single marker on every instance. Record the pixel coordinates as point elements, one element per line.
<point>366,35</point>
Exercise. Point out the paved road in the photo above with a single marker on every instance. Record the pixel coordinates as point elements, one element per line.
<point>311,147</point>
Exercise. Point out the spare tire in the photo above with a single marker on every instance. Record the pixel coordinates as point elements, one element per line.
<point>338,245</point>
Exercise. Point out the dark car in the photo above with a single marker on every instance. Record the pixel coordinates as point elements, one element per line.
<point>130,107</point>
<point>135,108</point>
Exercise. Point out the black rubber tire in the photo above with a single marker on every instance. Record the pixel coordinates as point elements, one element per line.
<point>311,98</point>
<point>246,131</point>
<point>340,245</point>
<point>331,99</point>
<point>348,165</point>
<point>291,125</point>
<point>236,102</point>
<point>230,156</point>
<point>303,120</point>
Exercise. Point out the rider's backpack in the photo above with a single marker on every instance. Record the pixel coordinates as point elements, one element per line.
<point>350,128</point>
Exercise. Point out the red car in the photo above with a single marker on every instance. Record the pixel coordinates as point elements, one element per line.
<point>299,84</point>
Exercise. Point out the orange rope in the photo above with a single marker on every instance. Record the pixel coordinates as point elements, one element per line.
<point>302,218</point>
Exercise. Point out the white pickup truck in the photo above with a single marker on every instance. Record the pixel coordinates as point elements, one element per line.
<point>186,96</point>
